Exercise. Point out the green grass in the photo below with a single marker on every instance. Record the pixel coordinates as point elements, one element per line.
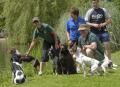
<point>48,80</point>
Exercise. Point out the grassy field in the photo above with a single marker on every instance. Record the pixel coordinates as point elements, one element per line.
<point>112,79</point>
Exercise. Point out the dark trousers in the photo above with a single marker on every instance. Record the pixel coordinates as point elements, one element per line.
<point>46,47</point>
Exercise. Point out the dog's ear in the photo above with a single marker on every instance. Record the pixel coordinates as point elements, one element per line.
<point>12,50</point>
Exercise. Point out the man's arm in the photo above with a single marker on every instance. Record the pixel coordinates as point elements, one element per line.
<point>92,46</point>
<point>68,35</point>
<point>108,21</point>
<point>87,19</point>
<point>93,25</point>
<point>107,17</point>
<point>31,46</point>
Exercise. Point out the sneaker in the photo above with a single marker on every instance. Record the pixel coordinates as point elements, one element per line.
<point>40,73</point>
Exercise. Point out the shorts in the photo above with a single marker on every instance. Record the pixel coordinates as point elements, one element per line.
<point>45,51</point>
<point>104,37</point>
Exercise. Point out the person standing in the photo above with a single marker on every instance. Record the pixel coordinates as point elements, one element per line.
<point>98,18</point>
<point>72,33</point>
<point>46,32</point>
<point>73,24</point>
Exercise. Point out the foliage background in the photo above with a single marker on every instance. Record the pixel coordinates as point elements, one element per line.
<point>19,13</point>
<point>16,16</point>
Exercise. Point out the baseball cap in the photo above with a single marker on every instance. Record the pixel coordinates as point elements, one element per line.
<point>35,19</point>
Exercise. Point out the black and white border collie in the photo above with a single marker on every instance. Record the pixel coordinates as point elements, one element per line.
<point>18,75</point>
<point>17,59</point>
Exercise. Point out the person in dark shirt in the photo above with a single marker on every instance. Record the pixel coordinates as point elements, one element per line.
<point>98,18</point>
<point>47,33</point>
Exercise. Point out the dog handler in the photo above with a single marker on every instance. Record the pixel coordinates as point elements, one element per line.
<point>90,44</point>
<point>46,32</point>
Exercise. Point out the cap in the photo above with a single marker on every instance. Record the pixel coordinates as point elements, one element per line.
<point>35,19</point>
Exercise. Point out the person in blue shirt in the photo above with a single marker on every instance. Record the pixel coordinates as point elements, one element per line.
<point>73,34</point>
<point>73,24</point>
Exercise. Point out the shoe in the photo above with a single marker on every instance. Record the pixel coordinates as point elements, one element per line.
<point>40,73</point>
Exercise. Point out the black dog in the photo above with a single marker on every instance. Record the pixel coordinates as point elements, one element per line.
<point>67,62</point>
<point>64,63</point>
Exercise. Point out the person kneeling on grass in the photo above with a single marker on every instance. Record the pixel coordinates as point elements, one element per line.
<point>46,32</point>
<point>90,44</point>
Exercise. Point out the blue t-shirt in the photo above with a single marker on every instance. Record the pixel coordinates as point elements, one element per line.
<point>72,27</point>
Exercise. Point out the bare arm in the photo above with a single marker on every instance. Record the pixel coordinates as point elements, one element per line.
<point>92,46</point>
<point>68,35</point>
<point>108,21</point>
<point>31,46</point>
<point>87,19</point>
<point>107,17</point>
<point>93,25</point>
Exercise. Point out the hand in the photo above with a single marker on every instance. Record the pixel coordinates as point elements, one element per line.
<point>27,53</point>
<point>85,47</point>
<point>96,26</point>
<point>69,42</point>
<point>102,25</point>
